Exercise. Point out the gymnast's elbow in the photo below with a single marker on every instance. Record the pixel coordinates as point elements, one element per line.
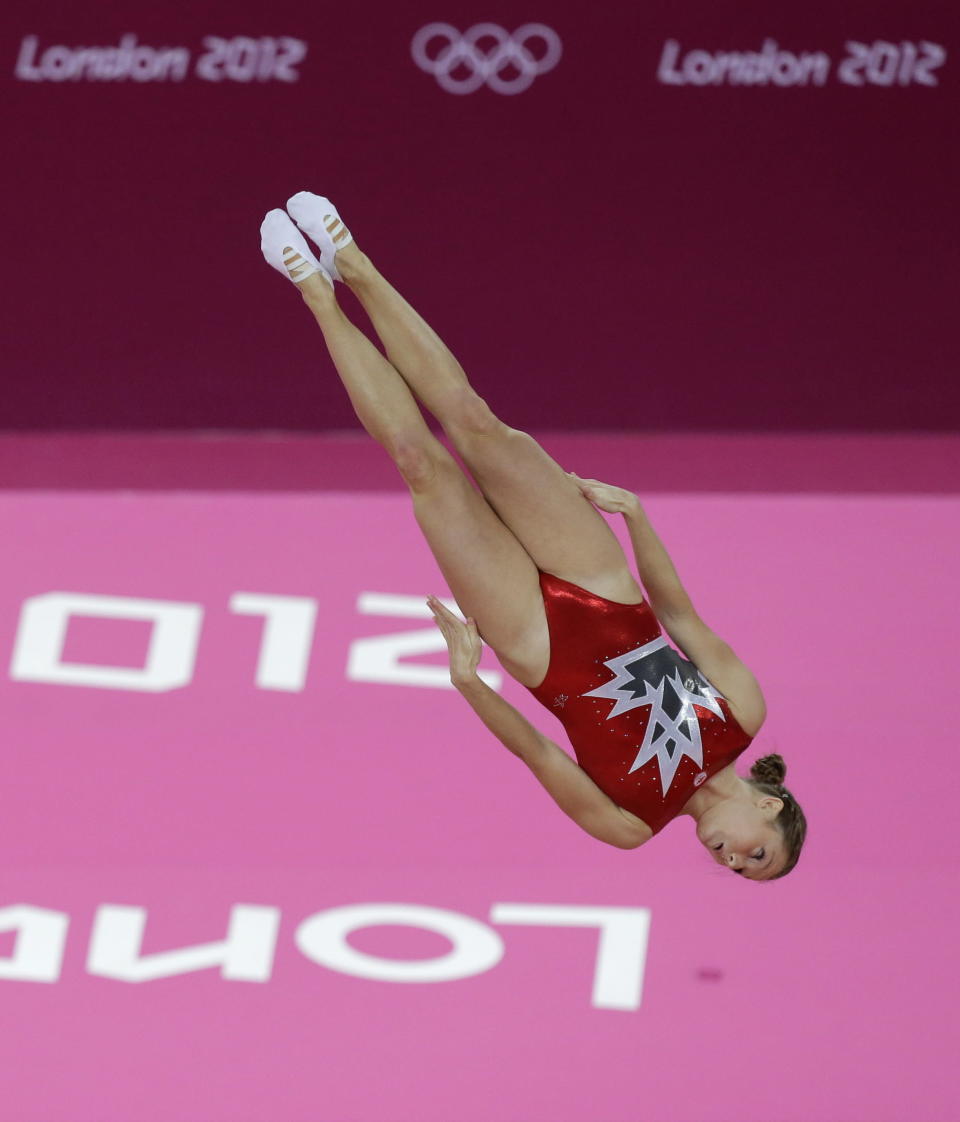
<point>616,830</point>
<point>626,843</point>
<point>632,842</point>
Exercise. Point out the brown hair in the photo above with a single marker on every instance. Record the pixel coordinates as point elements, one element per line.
<point>767,775</point>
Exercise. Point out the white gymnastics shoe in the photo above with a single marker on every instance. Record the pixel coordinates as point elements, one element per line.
<point>286,249</point>
<point>318,218</point>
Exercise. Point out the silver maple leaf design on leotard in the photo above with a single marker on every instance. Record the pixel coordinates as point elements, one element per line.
<point>656,675</point>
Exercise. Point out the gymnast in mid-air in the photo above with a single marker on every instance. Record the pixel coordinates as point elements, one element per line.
<point>539,574</point>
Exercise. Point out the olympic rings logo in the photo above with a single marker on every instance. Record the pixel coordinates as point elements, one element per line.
<point>486,66</point>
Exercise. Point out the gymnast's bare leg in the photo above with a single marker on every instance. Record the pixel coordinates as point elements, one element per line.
<point>531,493</point>
<point>488,571</point>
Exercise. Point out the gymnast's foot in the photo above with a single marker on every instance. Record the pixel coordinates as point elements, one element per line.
<point>318,218</point>
<point>285,248</point>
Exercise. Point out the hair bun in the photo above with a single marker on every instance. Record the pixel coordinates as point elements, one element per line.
<point>769,769</point>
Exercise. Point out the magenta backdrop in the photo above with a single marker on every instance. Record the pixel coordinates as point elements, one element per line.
<point>616,246</point>
<point>828,996</point>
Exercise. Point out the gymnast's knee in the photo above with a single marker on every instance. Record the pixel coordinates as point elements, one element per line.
<point>418,461</point>
<point>470,415</point>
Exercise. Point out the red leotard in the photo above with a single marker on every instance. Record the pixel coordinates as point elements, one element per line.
<point>646,725</point>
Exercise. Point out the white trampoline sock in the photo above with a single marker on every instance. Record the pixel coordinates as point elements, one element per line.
<point>318,218</point>
<point>285,248</point>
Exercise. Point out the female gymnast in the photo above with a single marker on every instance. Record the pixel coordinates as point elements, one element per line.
<point>541,576</point>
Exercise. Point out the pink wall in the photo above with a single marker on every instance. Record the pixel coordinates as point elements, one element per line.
<point>252,793</point>
<point>614,247</point>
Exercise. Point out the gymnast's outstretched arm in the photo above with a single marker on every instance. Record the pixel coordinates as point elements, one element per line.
<point>564,780</point>
<point>668,598</point>
<point>673,607</point>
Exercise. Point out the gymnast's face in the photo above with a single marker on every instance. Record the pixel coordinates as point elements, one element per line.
<point>742,835</point>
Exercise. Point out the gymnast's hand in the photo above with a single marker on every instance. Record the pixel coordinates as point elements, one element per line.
<point>614,500</point>
<point>463,641</point>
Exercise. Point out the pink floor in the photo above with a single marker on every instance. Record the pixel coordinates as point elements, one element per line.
<point>261,862</point>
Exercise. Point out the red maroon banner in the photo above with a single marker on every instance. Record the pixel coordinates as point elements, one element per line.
<point>632,217</point>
